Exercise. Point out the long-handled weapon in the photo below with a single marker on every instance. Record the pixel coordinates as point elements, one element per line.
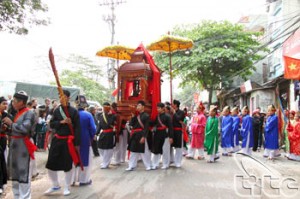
<point>73,152</point>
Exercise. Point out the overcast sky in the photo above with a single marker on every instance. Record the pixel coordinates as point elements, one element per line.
<point>77,27</point>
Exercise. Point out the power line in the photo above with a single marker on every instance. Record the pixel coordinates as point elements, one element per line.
<point>264,22</point>
<point>268,43</point>
<point>279,28</point>
<point>282,34</point>
<point>230,35</point>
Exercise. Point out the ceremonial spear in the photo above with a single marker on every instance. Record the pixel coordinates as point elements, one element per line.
<point>63,101</point>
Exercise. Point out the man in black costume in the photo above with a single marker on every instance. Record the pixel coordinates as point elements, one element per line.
<point>138,138</point>
<point>161,140</point>
<point>59,158</point>
<point>178,118</point>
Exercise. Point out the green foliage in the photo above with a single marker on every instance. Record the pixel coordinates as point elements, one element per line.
<point>16,16</point>
<point>91,89</point>
<point>86,77</point>
<point>221,50</point>
<point>186,95</point>
<point>86,66</point>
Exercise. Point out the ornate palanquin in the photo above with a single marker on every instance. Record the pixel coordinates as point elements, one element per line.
<point>134,78</point>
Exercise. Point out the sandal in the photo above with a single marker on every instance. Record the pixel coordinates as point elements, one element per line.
<point>290,158</point>
<point>217,158</point>
<point>210,161</point>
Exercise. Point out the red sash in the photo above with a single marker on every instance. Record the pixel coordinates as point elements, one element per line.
<point>71,147</point>
<point>72,150</point>
<point>177,129</point>
<point>136,130</point>
<point>161,128</point>
<point>185,135</point>
<point>131,133</point>
<point>2,135</point>
<point>107,130</point>
<point>29,145</point>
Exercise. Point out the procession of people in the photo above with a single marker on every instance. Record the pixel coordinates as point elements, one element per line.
<point>78,133</point>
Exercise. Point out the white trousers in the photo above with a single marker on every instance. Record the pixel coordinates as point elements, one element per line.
<point>165,156</point>
<point>6,154</point>
<point>33,166</point>
<point>192,152</point>
<point>247,150</point>
<point>121,148</point>
<point>85,175</point>
<point>117,154</point>
<point>171,154</point>
<point>214,153</point>
<point>166,153</point>
<point>146,157</point>
<point>227,150</point>
<point>271,153</point>
<point>212,157</point>
<point>177,155</point>
<point>23,190</point>
<point>123,142</point>
<point>294,157</point>
<point>106,156</point>
<point>53,175</point>
<point>236,148</point>
<point>156,160</point>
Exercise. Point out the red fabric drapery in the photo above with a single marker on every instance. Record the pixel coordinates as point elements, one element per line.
<point>154,83</point>
<point>128,89</point>
<point>115,92</point>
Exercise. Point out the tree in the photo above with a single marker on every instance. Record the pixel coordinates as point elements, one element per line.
<point>92,90</point>
<point>186,95</point>
<point>17,15</point>
<point>220,50</point>
<point>87,66</point>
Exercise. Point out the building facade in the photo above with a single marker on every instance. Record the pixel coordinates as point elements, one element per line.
<point>266,85</point>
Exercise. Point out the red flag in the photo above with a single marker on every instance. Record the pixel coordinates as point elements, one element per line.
<point>115,92</point>
<point>291,68</point>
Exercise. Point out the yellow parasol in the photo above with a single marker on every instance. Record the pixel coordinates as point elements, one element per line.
<point>169,44</point>
<point>116,52</point>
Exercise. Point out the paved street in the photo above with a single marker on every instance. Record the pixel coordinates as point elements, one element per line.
<point>196,179</point>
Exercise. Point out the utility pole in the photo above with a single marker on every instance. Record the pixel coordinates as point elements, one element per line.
<point>111,20</point>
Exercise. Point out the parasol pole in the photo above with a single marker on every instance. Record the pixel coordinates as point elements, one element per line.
<point>171,75</point>
<point>118,60</point>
